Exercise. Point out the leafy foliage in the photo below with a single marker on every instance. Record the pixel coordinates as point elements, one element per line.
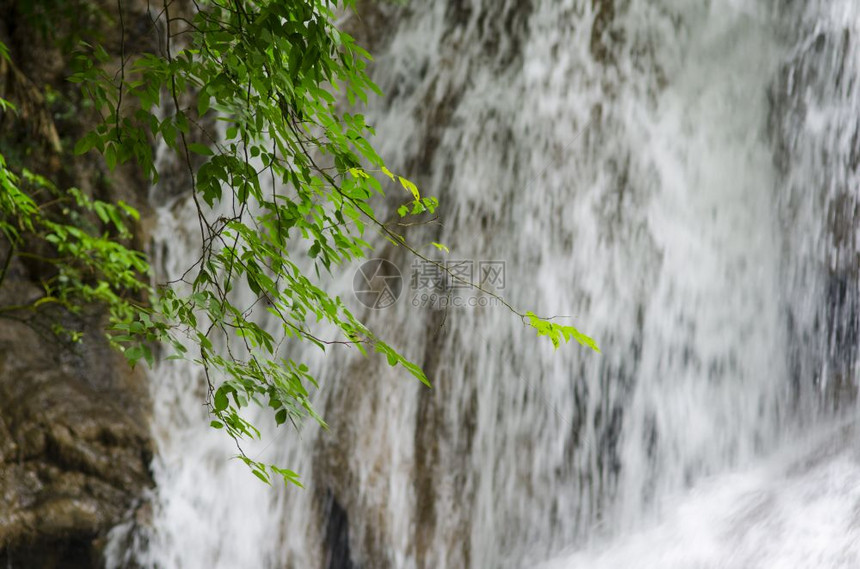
<point>286,175</point>
<point>558,332</point>
<point>271,71</point>
<point>89,264</point>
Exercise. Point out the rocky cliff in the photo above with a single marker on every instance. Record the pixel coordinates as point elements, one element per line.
<point>74,436</point>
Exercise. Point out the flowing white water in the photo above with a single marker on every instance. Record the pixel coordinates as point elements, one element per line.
<point>788,513</point>
<point>677,176</point>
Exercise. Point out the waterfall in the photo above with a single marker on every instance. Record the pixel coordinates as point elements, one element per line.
<point>676,178</point>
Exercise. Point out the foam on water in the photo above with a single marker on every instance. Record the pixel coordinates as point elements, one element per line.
<point>798,509</point>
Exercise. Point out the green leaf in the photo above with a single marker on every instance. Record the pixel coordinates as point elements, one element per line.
<point>261,475</point>
<point>87,143</point>
<point>110,155</point>
<point>202,103</point>
<point>220,401</point>
<point>133,354</point>
<point>200,149</point>
<point>411,187</point>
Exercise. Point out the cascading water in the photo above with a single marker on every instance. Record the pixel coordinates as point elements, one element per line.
<point>677,177</point>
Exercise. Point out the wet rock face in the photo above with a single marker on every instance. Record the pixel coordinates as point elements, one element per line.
<point>75,447</point>
<point>337,554</point>
<point>813,119</point>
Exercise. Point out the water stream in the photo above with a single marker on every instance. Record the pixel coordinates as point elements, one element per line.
<point>677,177</point>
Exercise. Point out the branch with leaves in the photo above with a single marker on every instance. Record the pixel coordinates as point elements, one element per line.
<point>81,241</point>
<point>293,175</point>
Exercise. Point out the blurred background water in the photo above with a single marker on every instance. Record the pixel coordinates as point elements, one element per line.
<point>680,179</point>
